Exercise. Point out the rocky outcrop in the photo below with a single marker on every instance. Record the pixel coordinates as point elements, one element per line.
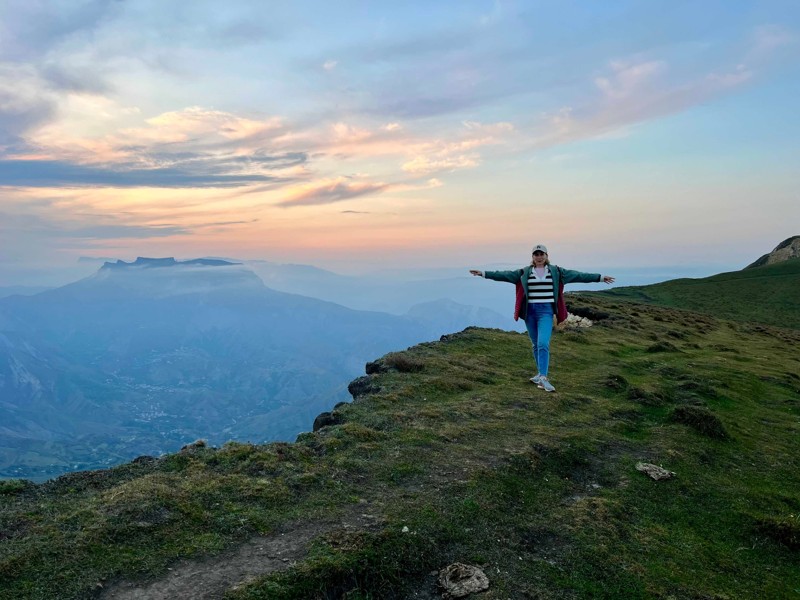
<point>459,581</point>
<point>575,322</point>
<point>327,419</point>
<point>786,250</point>
<point>362,386</point>
<point>654,472</point>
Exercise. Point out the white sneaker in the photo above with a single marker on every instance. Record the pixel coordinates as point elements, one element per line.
<point>536,378</point>
<point>545,384</point>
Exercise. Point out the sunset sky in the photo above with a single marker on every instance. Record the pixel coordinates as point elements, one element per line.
<point>354,135</point>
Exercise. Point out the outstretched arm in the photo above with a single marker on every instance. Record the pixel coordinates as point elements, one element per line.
<point>508,276</point>
<point>570,276</point>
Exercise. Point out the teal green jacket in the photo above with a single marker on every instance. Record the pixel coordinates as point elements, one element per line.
<point>521,276</point>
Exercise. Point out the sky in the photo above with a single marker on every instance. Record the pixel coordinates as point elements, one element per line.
<point>364,135</point>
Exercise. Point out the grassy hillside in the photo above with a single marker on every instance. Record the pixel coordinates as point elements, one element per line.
<point>450,454</point>
<point>768,295</point>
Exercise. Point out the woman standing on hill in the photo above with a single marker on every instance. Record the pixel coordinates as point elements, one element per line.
<point>541,281</point>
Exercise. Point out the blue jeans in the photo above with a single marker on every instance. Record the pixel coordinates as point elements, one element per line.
<point>539,322</point>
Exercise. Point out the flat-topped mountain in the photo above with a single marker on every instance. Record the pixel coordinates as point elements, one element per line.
<point>166,262</point>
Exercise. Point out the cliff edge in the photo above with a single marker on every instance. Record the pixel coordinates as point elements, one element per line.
<point>448,455</point>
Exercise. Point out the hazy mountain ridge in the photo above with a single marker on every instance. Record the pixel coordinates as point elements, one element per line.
<point>148,355</point>
<point>385,291</point>
<point>22,290</point>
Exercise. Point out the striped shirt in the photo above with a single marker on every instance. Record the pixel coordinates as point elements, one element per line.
<point>540,291</point>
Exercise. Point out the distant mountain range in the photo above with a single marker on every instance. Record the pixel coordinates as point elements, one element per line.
<point>388,291</point>
<point>24,290</point>
<point>145,356</point>
<point>148,355</point>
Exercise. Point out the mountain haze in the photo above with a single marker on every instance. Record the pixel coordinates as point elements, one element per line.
<point>145,356</point>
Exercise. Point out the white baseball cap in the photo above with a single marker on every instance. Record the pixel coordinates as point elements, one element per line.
<point>539,248</point>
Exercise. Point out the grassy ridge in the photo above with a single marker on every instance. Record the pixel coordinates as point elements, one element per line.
<point>769,295</point>
<point>450,441</point>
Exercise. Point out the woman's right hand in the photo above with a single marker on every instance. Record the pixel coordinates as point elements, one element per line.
<point>476,273</point>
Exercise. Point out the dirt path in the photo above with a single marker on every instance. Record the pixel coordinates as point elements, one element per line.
<point>209,578</point>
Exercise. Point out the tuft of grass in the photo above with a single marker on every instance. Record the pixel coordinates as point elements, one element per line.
<point>403,363</point>
<point>662,347</point>
<point>701,420</point>
<point>784,530</point>
<point>14,486</point>
<point>647,397</point>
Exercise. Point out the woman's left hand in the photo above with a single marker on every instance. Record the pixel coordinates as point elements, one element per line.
<point>608,279</point>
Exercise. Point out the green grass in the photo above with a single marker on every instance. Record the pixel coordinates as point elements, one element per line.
<point>768,295</point>
<point>459,458</point>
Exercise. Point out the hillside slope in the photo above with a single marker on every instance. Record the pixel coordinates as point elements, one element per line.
<point>769,294</point>
<point>449,454</point>
<point>788,249</point>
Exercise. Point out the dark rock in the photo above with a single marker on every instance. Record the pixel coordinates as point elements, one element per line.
<point>362,386</point>
<point>376,366</point>
<point>327,419</point>
<point>144,460</point>
<point>459,581</point>
<point>588,312</point>
<point>449,337</point>
<point>196,445</point>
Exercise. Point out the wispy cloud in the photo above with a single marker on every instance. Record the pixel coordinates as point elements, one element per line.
<point>328,192</point>
<point>194,147</point>
<point>767,39</point>
<point>425,165</point>
<point>23,106</point>
<point>48,173</point>
<point>81,229</point>
<point>631,93</point>
<point>459,153</point>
